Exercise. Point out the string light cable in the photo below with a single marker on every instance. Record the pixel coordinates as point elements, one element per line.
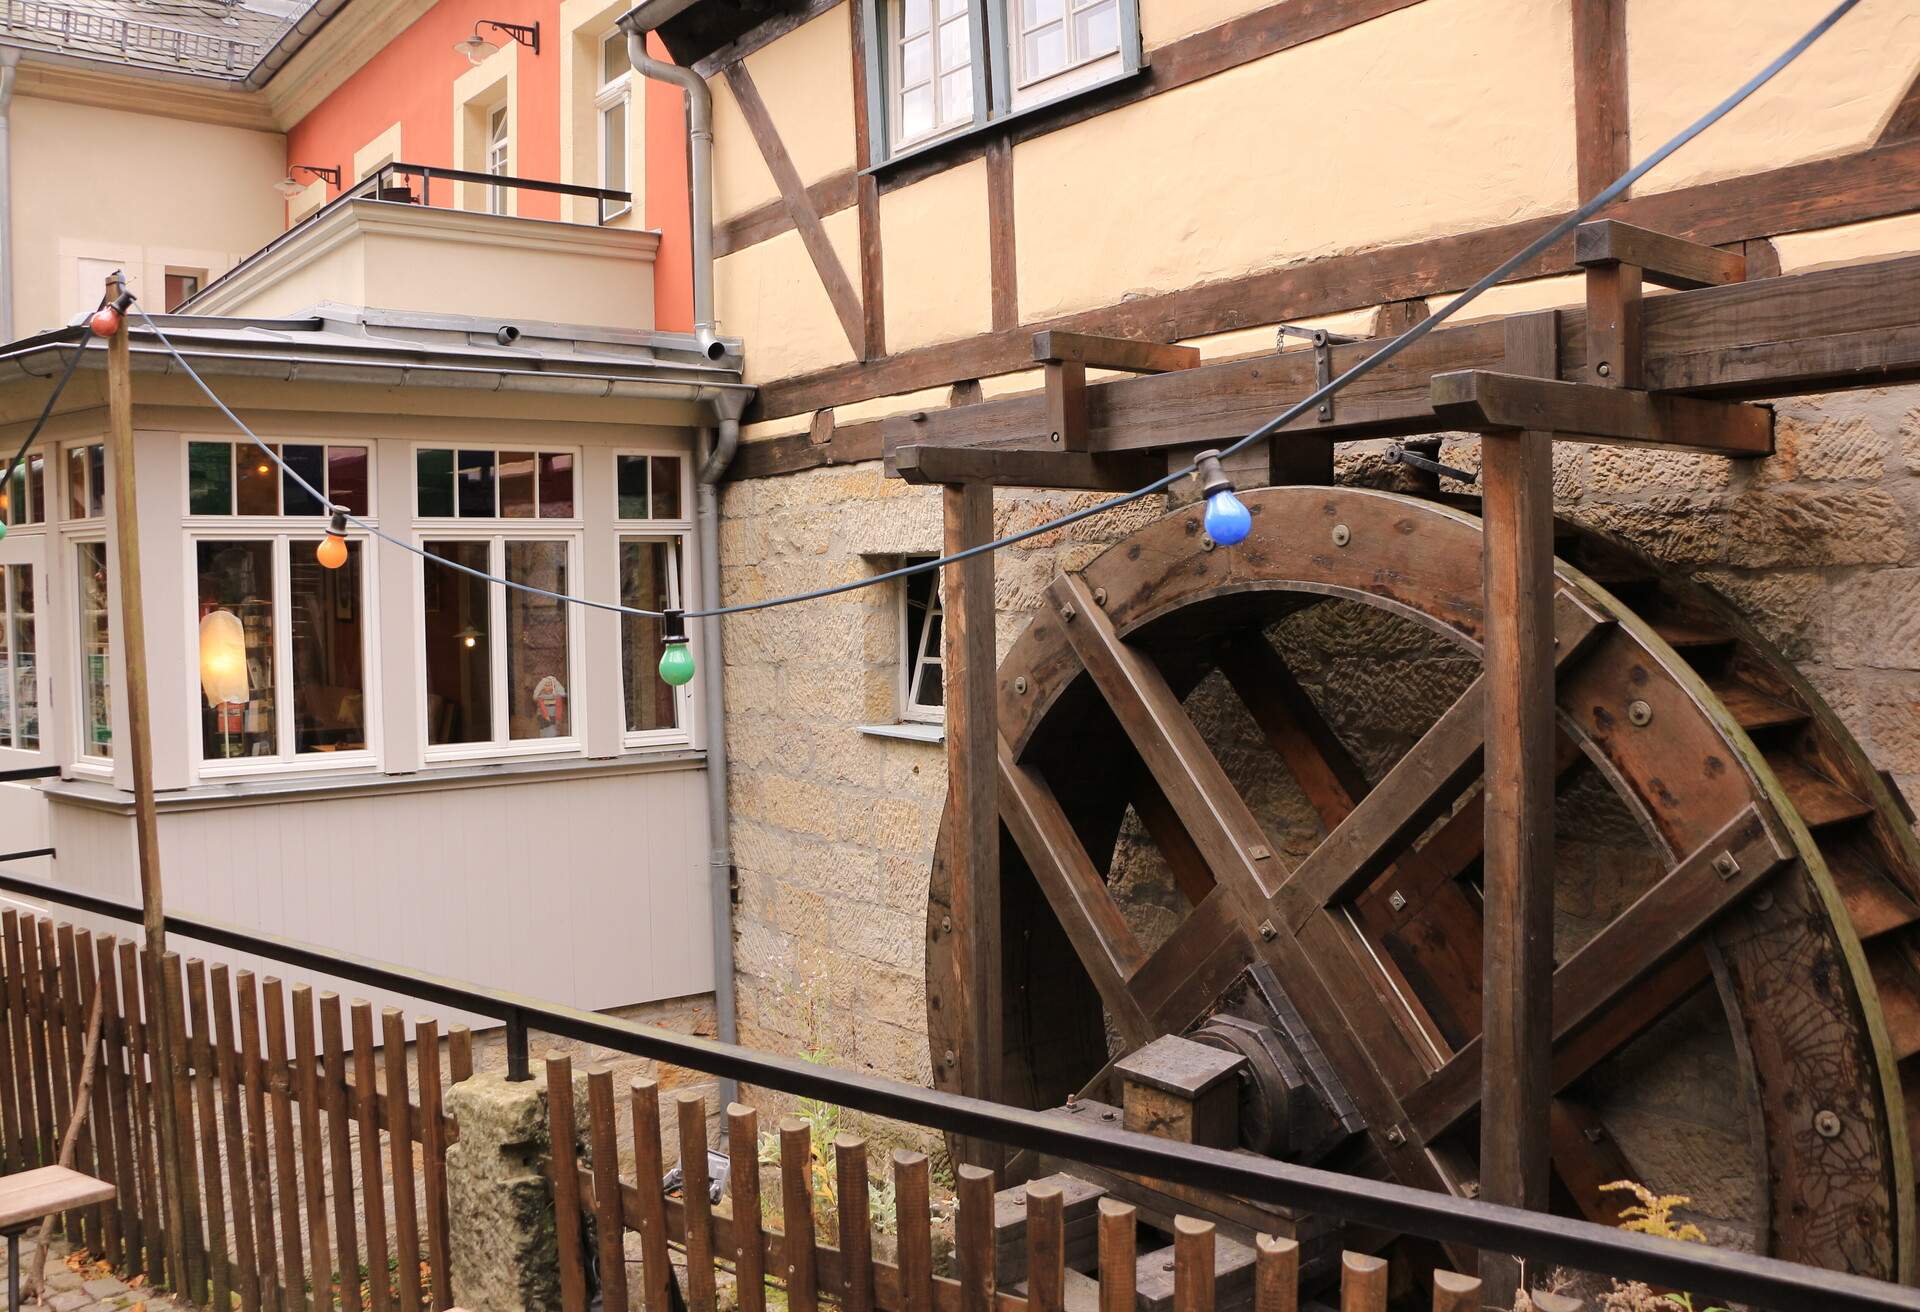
<point>103,322</point>
<point>1227,520</point>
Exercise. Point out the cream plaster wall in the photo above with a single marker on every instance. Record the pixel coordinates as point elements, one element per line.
<point>204,196</point>
<point>740,176</point>
<point>806,78</point>
<point>770,296</point>
<point>1683,58</point>
<point>1877,239</point>
<point>1162,21</point>
<point>934,258</point>
<point>1222,177</point>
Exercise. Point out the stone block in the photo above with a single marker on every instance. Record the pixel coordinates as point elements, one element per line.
<point>1784,607</point>
<point>1876,620</point>
<point>500,1215</point>
<point>1893,721</point>
<point>1825,447</point>
<point>1617,470</point>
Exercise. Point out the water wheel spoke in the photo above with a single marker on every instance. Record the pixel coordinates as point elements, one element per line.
<point>1658,924</point>
<point>1162,823</point>
<point>1075,890</point>
<point>1183,980</point>
<point>1293,726</point>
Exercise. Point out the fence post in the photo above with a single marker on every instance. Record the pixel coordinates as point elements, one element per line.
<point>502,1255</point>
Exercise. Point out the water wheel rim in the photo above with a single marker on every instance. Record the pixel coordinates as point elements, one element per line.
<point>1421,560</point>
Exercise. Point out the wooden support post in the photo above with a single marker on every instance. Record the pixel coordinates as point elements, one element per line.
<point>1065,357</point>
<point>974,821</point>
<point>1516,990</point>
<point>139,749</point>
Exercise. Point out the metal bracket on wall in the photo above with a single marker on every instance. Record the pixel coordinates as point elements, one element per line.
<point>1323,344</point>
<point>1401,455</point>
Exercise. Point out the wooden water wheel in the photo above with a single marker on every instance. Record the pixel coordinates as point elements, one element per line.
<point>1738,895</point>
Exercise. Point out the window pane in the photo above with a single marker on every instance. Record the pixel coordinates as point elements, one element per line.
<point>666,487</point>
<point>1044,51</point>
<point>916,112</point>
<point>236,649</point>
<point>630,479</point>
<point>210,478</point>
<point>956,97</point>
<point>18,508</point>
<point>96,701</point>
<point>613,56</point>
<point>474,485</point>
<point>537,642</point>
<point>916,61</point>
<point>37,486</point>
<point>329,707</point>
<point>433,483</point>
<point>516,484</point>
<point>6,680</point>
<point>459,666</point>
<point>347,477</point>
<point>310,462</point>
<point>1096,31</point>
<point>26,684</point>
<point>256,482</point>
<point>97,480</point>
<point>952,8</point>
<point>77,483</point>
<point>914,16</point>
<point>1033,13</point>
<point>651,703</point>
<point>556,485</point>
<point>955,49</point>
<point>613,153</point>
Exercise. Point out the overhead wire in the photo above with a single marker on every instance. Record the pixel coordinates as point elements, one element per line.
<point>1360,369</point>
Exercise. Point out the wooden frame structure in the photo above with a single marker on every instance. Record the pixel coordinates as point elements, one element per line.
<point>1673,371</point>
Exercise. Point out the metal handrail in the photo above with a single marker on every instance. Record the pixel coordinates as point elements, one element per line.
<point>381,179</point>
<point>1535,1237</point>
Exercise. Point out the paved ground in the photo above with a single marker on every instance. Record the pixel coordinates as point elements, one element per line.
<point>73,1286</point>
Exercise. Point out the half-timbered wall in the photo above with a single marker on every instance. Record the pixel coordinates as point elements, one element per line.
<point>1345,163</point>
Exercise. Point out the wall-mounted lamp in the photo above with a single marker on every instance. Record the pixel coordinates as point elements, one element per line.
<point>290,187</point>
<point>476,47</point>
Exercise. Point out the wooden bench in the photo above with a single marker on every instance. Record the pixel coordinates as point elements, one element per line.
<point>28,1196</point>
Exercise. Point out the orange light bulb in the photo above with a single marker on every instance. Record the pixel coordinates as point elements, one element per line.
<point>332,551</point>
<point>105,321</point>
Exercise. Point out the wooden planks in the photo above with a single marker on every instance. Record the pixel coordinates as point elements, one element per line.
<point>1601,138</point>
<point>1486,401</point>
<point>1003,265</point>
<point>565,1175</point>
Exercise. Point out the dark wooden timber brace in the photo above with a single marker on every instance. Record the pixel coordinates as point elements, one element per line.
<point>1524,383</point>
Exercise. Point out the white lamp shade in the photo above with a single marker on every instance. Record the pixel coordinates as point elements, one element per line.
<point>223,658</point>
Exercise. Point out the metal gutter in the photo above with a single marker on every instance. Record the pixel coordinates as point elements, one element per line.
<point>9,72</point>
<point>317,16</point>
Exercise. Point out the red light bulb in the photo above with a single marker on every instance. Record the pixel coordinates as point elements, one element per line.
<point>105,321</point>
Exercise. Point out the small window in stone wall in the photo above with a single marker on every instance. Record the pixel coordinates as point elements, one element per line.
<point>922,675</point>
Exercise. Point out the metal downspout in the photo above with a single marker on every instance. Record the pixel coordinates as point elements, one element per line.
<point>9,70</point>
<point>713,691</point>
<point>638,23</point>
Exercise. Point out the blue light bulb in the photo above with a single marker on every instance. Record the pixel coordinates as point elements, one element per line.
<point>1227,519</point>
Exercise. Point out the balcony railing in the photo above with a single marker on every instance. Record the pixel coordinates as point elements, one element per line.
<point>413,184</point>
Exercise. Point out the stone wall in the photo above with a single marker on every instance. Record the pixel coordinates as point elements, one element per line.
<point>833,829</point>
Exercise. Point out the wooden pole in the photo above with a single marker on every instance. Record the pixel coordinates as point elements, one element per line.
<point>973,825</point>
<point>138,745</point>
<point>1516,474</point>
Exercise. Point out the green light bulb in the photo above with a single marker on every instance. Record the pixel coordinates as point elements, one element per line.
<point>3,528</point>
<point>676,663</point>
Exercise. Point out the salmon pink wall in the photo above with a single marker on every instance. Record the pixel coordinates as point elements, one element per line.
<point>411,82</point>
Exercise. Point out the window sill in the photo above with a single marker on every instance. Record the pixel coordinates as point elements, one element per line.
<point>101,795</point>
<point>965,142</point>
<point>908,732</point>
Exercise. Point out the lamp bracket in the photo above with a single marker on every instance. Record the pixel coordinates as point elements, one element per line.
<point>526,34</point>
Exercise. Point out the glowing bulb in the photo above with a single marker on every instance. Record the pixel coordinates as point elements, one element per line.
<point>676,663</point>
<point>470,639</point>
<point>262,470</point>
<point>1227,519</point>
<point>332,551</point>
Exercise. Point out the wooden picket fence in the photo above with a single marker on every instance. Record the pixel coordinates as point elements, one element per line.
<point>847,1272</point>
<point>281,1218</point>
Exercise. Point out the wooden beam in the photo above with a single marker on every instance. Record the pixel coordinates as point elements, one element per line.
<point>1497,402</point>
<point>1599,93</point>
<point>1123,353</point>
<point>873,311</point>
<point>1115,471</point>
<point>1904,122</point>
<point>1516,476</point>
<point>1003,264</point>
<point>1874,183</point>
<point>813,234</point>
<point>830,195</point>
<point>973,819</point>
<point>1663,260</point>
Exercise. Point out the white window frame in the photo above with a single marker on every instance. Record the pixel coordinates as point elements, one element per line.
<point>194,521</point>
<point>498,157</point>
<point>286,538</point>
<point>677,533</point>
<point>34,563</point>
<point>498,532</point>
<point>84,761</point>
<point>1081,68</point>
<point>896,79</point>
<point>537,448</point>
<point>51,493</point>
<point>81,523</point>
<point>913,672</point>
<point>616,92</point>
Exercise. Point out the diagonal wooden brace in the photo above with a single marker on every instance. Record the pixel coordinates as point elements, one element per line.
<point>1483,401</point>
<point>1066,357</point>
